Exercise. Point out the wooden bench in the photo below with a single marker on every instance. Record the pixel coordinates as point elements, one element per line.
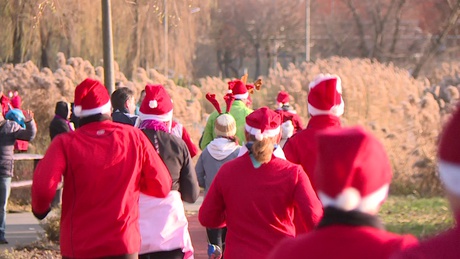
<point>21,157</point>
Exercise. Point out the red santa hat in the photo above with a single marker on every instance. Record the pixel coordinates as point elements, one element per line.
<point>263,123</point>
<point>157,104</point>
<point>15,100</point>
<point>325,96</point>
<point>91,97</point>
<point>353,170</point>
<point>238,89</point>
<point>282,98</point>
<point>449,154</point>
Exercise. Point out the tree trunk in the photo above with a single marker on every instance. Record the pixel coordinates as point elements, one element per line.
<point>18,38</point>
<point>362,40</point>
<point>132,55</point>
<point>44,42</point>
<point>257,52</point>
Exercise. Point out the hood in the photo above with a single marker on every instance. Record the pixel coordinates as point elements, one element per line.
<point>62,109</point>
<point>221,148</point>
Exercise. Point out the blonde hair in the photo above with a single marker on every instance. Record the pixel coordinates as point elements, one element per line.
<point>262,150</point>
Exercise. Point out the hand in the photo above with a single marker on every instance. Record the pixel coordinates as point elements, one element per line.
<point>29,115</point>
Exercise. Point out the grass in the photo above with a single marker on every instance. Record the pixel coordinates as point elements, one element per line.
<point>421,217</point>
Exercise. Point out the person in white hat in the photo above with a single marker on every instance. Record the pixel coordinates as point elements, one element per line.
<point>105,166</point>
<point>353,176</point>
<point>163,223</point>
<point>445,245</point>
<point>325,105</point>
<point>222,149</point>
<point>239,110</point>
<point>255,195</point>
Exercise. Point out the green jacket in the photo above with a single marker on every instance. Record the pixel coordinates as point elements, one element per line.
<point>239,111</point>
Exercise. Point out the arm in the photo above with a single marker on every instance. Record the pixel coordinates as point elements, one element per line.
<point>212,210</point>
<point>155,178</point>
<point>307,204</point>
<point>200,173</point>
<point>189,188</point>
<point>46,178</point>
<point>208,135</point>
<point>298,125</point>
<point>192,148</point>
<point>28,133</point>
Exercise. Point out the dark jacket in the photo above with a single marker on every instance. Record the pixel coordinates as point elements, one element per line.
<point>10,131</point>
<point>174,153</point>
<point>59,124</point>
<point>124,117</point>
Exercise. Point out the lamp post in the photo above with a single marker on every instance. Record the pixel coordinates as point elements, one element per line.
<point>107,44</point>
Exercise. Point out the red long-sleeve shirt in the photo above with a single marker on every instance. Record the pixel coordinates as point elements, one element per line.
<point>257,205</point>
<point>104,165</point>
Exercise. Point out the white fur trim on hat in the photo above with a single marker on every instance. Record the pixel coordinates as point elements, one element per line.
<point>322,77</point>
<point>258,133</point>
<point>164,117</point>
<point>350,199</point>
<point>106,108</point>
<point>449,173</point>
<point>337,110</point>
<point>241,96</point>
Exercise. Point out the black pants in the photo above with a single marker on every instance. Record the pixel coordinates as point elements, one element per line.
<point>216,236</point>
<point>173,254</point>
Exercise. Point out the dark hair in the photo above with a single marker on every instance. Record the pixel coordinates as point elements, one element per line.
<point>120,96</point>
<point>1,88</point>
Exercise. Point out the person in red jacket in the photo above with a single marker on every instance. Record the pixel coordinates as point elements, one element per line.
<point>4,102</point>
<point>353,176</point>
<point>20,146</point>
<point>445,245</point>
<point>105,166</point>
<point>325,105</point>
<point>255,194</point>
<point>287,111</point>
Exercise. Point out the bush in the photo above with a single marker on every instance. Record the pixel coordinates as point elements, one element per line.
<point>406,114</point>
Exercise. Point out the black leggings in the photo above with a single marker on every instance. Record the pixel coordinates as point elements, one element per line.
<point>173,254</point>
<point>216,236</point>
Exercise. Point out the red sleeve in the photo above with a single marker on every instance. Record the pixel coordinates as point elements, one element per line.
<point>212,210</point>
<point>290,152</point>
<point>298,125</point>
<point>308,207</point>
<point>155,178</point>
<point>47,176</point>
<point>192,148</point>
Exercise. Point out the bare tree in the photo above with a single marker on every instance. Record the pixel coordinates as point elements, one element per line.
<point>438,39</point>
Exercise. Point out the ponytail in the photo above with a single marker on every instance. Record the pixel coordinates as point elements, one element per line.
<point>262,150</point>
